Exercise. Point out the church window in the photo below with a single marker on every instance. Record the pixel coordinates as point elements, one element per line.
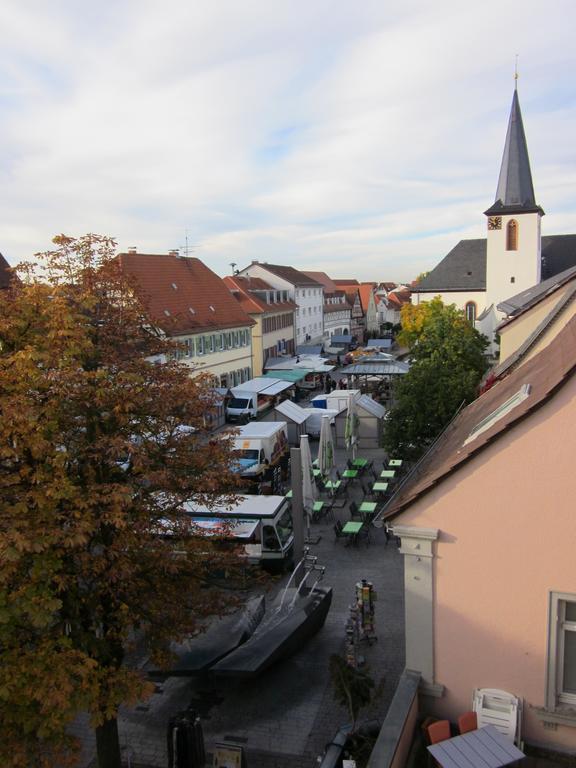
<point>470,310</point>
<point>512,236</point>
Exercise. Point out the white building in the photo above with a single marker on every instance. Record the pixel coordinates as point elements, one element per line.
<point>337,310</point>
<point>306,292</point>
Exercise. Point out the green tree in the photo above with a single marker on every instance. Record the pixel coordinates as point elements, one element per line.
<point>447,364</point>
<point>353,688</point>
<point>94,464</point>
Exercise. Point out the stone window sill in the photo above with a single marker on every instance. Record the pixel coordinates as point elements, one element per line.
<point>563,715</point>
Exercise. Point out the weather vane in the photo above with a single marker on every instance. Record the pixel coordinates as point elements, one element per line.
<point>516,72</point>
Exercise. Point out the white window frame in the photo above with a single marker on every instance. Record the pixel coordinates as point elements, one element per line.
<point>557,627</point>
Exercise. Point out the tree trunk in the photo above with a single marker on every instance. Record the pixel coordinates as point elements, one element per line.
<point>107,745</point>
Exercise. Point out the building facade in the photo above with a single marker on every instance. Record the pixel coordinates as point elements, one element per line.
<point>306,293</point>
<point>273,314</point>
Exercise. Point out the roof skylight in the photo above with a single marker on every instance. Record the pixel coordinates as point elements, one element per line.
<point>498,413</point>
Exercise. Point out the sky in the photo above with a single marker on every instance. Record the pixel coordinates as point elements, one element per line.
<point>362,139</point>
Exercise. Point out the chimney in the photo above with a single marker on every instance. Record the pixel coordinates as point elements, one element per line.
<point>174,252</point>
<point>255,261</point>
<point>132,249</point>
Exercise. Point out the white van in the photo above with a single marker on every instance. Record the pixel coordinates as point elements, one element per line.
<point>261,524</point>
<point>259,447</point>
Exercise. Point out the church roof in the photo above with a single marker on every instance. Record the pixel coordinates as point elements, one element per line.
<point>463,269</point>
<point>558,254</point>
<point>515,191</point>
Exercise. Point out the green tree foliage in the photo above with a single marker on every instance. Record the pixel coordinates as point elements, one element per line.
<point>353,688</point>
<point>94,463</point>
<point>447,363</point>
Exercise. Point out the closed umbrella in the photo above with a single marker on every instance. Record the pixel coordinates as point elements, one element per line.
<point>325,448</point>
<point>309,492</point>
<point>351,427</point>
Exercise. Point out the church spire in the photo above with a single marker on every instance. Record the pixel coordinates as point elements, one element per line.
<point>515,191</point>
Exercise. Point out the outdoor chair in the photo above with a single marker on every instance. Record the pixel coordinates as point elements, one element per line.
<point>439,731</point>
<point>467,722</point>
<point>338,530</point>
<point>350,464</point>
<point>327,512</point>
<point>354,510</point>
<point>501,709</point>
<point>364,533</point>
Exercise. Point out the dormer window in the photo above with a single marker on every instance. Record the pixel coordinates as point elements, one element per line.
<point>512,235</point>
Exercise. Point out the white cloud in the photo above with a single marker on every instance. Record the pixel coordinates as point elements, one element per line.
<point>321,134</point>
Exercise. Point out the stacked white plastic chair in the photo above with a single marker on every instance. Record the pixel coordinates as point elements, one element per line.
<point>500,709</point>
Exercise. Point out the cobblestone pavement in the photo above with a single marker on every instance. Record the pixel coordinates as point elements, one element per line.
<point>285,718</point>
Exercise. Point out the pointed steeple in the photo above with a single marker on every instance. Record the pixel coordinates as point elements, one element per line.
<point>515,191</point>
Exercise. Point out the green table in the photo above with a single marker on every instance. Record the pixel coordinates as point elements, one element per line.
<point>388,474</point>
<point>368,507</point>
<point>352,528</point>
<point>288,495</point>
<point>350,473</point>
<point>317,506</point>
<point>332,485</point>
<point>395,463</point>
<point>360,463</point>
<point>380,487</point>
<point>316,472</point>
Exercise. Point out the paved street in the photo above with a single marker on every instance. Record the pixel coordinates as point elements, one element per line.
<point>285,718</point>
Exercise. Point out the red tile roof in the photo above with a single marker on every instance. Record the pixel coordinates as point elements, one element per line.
<point>545,373</point>
<point>242,287</point>
<point>182,294</point>
<point>366,290</point>
<point>342,282</point>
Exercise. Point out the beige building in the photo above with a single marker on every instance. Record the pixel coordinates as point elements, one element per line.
<point>487,529</point>
<point>273,315</point>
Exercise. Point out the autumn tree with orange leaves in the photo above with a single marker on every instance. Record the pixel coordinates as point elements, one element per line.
<point>94,463</point>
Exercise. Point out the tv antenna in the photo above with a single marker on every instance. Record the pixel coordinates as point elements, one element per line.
<point>234,270</point>
<point>187,248</point>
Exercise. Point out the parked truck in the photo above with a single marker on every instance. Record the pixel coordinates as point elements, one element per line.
<point>255,397</point>
<point>261,452</point>
<point>261,524</point>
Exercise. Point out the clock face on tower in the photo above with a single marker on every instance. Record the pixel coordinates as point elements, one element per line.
<point>495,222</point>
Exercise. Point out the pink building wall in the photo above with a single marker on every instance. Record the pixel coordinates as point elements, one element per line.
<point>507,525</point>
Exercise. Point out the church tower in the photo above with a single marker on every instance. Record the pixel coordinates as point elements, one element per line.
<point>513,255</point>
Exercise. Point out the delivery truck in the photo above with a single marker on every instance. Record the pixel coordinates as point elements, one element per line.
<point>255,397</point>
<point>261,453</point>
<point>262,525</point>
